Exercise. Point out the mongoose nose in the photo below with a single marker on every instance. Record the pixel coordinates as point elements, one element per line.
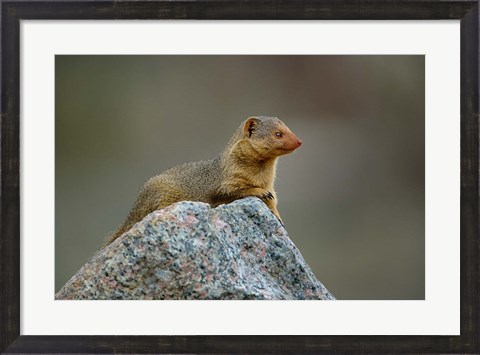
<point>299,142</point>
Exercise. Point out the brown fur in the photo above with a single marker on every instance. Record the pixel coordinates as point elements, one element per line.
<point>246,167</point>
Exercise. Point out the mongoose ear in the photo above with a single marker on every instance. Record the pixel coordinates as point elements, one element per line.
<point>250,126</point>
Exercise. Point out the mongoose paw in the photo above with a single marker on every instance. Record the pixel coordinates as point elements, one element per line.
<point>268,195</point>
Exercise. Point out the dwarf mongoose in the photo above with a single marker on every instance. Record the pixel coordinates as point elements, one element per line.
<point>245,167</point>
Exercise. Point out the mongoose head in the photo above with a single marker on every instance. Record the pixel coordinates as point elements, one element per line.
<point>269,136</point>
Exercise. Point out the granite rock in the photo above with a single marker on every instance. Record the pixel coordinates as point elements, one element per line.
<point>190,251</point>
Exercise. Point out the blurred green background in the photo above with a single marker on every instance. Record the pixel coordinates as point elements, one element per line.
<point>352,197</point>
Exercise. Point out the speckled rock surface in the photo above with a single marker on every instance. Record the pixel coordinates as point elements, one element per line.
<point>191,251</point>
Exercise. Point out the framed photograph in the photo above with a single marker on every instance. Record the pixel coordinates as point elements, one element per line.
<point>376,113</point>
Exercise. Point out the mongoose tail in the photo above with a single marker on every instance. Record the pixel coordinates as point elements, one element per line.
<point>245,167</point>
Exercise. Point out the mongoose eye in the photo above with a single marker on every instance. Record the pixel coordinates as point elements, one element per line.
<point>279,134</point>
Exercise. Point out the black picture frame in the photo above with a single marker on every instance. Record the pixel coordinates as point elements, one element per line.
<point>12,12</point>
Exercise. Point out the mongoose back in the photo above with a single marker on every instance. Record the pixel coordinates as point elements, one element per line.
<point>245,167</point>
